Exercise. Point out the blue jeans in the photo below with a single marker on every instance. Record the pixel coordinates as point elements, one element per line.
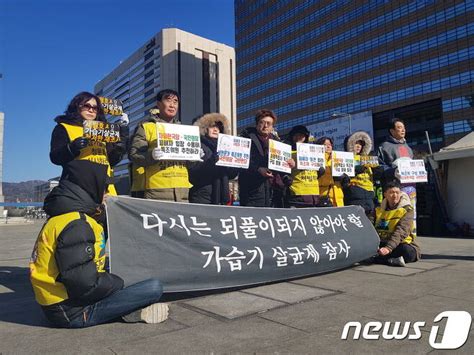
<point>120,303</point>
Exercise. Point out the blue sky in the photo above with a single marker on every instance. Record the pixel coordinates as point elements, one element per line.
<point>52,49</point>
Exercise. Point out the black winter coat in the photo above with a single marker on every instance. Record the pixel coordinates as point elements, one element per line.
<point>210,182</point>
<point>60,154</point>
<point>254,189</point>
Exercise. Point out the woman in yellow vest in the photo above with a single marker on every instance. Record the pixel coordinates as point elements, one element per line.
<point>394,224</point>
<point>304,188</point>
<point>360,190</point>
<point>328,185</point>
<point>70,148</point>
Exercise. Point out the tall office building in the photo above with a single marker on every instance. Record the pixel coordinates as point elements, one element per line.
<point>312,60</point>
<point>201,70</point>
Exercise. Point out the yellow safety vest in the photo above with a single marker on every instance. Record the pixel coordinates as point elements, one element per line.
<point>363,180</point>
<point>138,178</point>
<point>386,222</point>
<point>43,268</point>
<point>305,182</point>
<point>328,186</point>
<point>163,174</point>
<point>95,152</point>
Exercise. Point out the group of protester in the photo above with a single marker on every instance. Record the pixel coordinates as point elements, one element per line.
<point>68,266</point>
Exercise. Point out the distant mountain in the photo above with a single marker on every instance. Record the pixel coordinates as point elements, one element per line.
<point>20,191</point>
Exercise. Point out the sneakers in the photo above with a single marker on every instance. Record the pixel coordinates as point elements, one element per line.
<point>155,313</point>
<point>396,261</point>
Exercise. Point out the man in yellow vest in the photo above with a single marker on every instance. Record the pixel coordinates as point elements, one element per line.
<point>166,180</point>
<point>67,266</point>
<point>394,224</point>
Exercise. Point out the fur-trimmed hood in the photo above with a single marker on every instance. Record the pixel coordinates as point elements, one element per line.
<point>359,136</point>
<point>209,120</point>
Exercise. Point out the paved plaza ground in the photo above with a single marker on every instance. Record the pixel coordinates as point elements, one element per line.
<point>304,316</point>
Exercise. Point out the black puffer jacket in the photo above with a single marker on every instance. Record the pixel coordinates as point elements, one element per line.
<point>254,189</point>
<point>210,182</point>
<point>78,272</point>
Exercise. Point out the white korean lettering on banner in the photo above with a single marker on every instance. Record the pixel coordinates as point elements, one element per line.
<point>342,163</point>
<point>412,171</point>
<point>233,151</point>
<point>279,154</point>
<point>178,142</point>
<point>309,156</point>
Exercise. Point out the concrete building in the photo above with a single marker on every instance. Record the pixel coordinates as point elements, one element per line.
<point>312,60</point>
<point>201,70</point>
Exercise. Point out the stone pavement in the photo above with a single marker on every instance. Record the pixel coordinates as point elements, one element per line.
<point>301,316</point>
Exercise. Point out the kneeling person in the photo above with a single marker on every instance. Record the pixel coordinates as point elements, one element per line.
<point>67,265</point>
<point>394,224</point>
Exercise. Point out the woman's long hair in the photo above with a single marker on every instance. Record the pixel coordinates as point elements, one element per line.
<point>73,110</point>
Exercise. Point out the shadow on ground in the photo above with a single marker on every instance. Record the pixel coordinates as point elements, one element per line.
<point>447,257</point>
<point>17,298</point>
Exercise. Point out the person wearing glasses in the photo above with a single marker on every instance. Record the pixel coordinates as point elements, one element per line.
<point>258,183</point>
<point>73,151</point>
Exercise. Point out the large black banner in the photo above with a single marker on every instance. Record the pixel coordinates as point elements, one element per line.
<point>200,247</point>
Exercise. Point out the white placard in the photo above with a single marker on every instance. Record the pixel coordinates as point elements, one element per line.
<point>342,163</point>
<point>412,171</point>
<point>310,156</point>
<point>279,154</point>
<point>233,151</point>
<point>178,142</point>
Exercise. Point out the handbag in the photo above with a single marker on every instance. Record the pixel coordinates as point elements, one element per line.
<point>325,201</point>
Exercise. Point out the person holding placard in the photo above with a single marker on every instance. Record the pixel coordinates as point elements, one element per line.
<point>70,149</point>
<point>390,152</point>
<point>165,180</point>
<point>394,224</point>
<point>329,186</point>
<point>210,181</point>
<point>360,190</point>
<point>256,184</point>
<point>304,188</point>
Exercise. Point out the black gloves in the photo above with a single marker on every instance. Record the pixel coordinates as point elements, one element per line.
<point>344,179</point>
<point>359,169</point>
<point>287,180</point>
<point>321,171</point>
<point>77,144</point>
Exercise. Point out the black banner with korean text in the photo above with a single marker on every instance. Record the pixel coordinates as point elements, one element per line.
<point>192,247</point>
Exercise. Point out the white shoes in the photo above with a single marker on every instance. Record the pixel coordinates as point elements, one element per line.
<point>396,261</point>
<point>155,313</point>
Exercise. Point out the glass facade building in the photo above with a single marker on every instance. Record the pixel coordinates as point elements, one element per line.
<point>307,60</point>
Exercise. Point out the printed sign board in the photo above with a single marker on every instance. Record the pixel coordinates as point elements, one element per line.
<point>178,142</point>
<point>233,151</point>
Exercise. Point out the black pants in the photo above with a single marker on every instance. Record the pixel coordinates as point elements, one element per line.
<point>406,250</point>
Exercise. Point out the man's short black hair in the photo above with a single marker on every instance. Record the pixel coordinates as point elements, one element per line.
<point>165,93</point>
<point>393,121</point>
<point>391,184</point>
